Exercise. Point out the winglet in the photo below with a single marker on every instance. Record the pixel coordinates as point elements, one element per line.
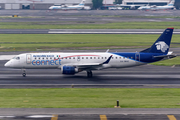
<point>107,61</point>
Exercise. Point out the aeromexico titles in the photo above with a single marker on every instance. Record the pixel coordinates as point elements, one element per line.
<point>73,63</point>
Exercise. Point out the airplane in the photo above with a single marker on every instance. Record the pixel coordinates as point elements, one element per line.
<point>131,7</point>
<point>66,7</point>
<point>169,6</point>
<point>73,63</point>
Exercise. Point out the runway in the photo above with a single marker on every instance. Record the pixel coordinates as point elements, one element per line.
<point>85,31</point>
<point>89,113</point>
<point>147,76</point>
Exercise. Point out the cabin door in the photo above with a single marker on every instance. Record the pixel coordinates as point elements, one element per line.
<point>137,56</point>
<point>28,58</point>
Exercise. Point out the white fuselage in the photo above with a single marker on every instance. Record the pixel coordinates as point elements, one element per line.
<point>75,7</point>
<point>57,60</point>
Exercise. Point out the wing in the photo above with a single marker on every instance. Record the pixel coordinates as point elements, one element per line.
<point>85,66</point>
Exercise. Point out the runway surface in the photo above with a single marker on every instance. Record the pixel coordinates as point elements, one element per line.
<point>89,113</point>
<point>147,76</point>
<point>85,31</point>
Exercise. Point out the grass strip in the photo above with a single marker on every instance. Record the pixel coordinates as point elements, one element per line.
<point>89,25</point>
<point>170,62</point>
<point>28,42</point>
<point>90,98</point>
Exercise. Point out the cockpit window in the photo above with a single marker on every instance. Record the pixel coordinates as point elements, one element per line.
<point>17,58</point>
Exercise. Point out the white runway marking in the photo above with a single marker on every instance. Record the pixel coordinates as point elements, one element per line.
<point>69,18</point>
<point>59,32</point>
<point>7,116</point>
<point>156,20</point>
<point>40,116</point>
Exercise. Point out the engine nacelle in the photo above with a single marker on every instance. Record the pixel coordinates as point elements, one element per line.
<point>69,70</point>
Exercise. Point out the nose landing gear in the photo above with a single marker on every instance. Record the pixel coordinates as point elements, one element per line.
<point>24,73</point>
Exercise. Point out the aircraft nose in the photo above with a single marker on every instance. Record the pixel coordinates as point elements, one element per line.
<point>8,64</point>
<point>50,8</point>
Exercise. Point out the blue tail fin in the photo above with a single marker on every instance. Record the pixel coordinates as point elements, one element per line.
<point>162,44</point>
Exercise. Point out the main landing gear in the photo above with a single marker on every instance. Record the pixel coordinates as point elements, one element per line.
<point>23,72</point>
<point>89,74</point>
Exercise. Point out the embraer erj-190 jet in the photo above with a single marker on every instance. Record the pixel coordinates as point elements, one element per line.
<point>154,7</point>
<point>72,63</point>
<point>66,7</point>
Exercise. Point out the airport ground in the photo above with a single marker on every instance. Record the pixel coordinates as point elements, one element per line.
<point>53,14</point>
<point>147,76</point>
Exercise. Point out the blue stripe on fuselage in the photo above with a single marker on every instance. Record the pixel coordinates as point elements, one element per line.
<point>144,57</point>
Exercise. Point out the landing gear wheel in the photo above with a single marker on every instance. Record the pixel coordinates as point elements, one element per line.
<point>89,74</point>
<point>24,74</point>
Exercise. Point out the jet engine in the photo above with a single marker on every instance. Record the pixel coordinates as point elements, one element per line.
<point>69,70</point>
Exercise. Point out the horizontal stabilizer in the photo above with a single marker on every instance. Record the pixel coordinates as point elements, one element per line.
<point>168,56</point>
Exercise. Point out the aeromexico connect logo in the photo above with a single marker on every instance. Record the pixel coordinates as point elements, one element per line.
<point>161,45</point>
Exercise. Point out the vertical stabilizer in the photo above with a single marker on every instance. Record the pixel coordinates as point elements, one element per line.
<point>171,3</point>
<point>82,3</point>
<point>162,44</point>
